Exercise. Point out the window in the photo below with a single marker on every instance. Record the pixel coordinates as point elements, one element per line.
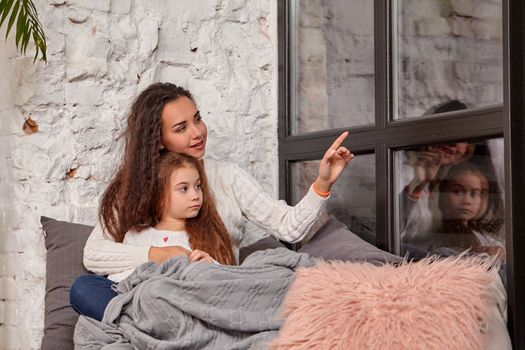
<point>450,199</point>
<point>353,195</point>
<point>409,79</point>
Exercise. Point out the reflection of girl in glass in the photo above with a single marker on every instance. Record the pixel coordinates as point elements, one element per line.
<point>470,203</point>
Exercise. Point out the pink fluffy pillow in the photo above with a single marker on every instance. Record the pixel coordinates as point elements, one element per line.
<point>430,304</point>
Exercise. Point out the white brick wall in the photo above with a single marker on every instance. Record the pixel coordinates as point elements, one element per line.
<point>101,54</point>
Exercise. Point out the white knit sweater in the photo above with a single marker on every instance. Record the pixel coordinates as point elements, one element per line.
<point>239,198</point>
<point>154,238</point>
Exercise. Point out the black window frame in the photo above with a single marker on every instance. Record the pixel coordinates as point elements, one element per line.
<point>389,135</point>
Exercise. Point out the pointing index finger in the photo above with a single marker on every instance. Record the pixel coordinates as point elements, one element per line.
<point>338,141</point>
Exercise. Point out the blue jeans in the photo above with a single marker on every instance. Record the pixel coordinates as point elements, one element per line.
<point>90,294</point>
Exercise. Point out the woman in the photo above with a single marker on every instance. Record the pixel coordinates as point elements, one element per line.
<point>165,118</point>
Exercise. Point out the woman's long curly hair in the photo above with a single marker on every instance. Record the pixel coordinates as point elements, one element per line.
<point>130,201</point>
<point>206,231</point>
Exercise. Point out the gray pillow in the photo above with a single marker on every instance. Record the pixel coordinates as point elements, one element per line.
<point>267,242</point>
<point>334,241</point>
<point>64,242</point>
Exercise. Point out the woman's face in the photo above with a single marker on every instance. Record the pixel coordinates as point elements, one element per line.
<point>183,130</point>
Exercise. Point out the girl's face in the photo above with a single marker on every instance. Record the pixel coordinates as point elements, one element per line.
<point>183,197</point>
<point>183,130</point>
<point>464,197</point>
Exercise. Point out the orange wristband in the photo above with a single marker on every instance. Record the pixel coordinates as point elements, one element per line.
<point>322,194</point>
<point>415,194</point>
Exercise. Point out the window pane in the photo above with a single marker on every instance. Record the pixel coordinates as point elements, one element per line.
<point>353,196</point>
<point>451,199</point>
<point>446,51</point>
<point>332,64</point>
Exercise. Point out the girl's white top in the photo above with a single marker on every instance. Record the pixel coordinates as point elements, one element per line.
<point>151,237</point>
<point>239,198</point>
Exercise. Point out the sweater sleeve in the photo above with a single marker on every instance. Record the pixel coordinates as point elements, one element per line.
<point>288,223</point>
<point>104,256</point>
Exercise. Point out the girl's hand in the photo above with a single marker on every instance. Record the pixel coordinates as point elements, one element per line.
<point>333,163</point>
<point>161,254</point>
<point>199,255</point>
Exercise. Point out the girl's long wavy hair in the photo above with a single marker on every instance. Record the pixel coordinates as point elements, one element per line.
<point>129,201</point>
<point>206,231</point>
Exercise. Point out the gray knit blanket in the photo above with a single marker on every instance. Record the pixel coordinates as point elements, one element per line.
<point>183,305</point>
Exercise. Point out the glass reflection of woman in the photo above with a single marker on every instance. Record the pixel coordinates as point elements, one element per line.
<point>429,166</point>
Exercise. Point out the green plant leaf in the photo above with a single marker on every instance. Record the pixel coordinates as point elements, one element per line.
<point>40,46</point>
<point>28,27</point>
<point>35,39</point>
<point>21,25</point>
<point>12,18</point>
<point>3,4</point>
<point>6,10</point>
<point>37,28</point>
<point>25,41</point>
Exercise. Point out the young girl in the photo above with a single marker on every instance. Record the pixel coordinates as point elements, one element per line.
<point>470,208</point>
<point>186,215</point>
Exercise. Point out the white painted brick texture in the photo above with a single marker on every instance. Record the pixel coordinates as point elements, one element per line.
<point>101,54</point>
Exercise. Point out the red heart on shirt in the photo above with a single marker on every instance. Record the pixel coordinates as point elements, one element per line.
<point>165,239</point>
